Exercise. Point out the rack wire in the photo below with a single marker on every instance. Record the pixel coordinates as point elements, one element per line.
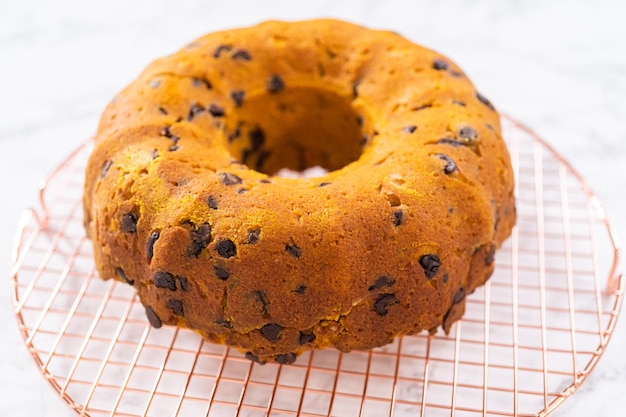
<point>528,340</point>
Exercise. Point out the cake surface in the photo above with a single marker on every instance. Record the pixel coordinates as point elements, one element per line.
<point>182,201</point>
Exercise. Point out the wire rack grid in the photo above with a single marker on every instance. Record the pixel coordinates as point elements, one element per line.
<point>528,340</point>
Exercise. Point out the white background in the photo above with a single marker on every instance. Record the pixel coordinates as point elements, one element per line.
<point>558,66</point>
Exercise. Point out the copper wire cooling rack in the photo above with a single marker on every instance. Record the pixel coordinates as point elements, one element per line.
<point>528,340</point>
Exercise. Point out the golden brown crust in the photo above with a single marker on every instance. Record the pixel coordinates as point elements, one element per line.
<point>180,200</point>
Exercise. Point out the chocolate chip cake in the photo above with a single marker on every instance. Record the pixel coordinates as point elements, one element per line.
<point>183,203</point>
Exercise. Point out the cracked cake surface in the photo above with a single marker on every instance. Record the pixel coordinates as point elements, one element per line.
<point>183,203</point>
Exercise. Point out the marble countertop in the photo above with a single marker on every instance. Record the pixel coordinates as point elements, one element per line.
<point>559,67</point>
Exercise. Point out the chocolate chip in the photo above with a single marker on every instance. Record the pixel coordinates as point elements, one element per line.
<point>257,138</point>
<point>224,323</point>
<point>220,49</point>
<point>182,282</point>
<point>129,223</point>
<point>164,280</point>
<point>155,154</point>
<point>359,120</point>
<point>263,155</point>
<point>451,142</point>
<point>226,248</point>
<point>245,154</point>
<point>176,306</point>
<point>194,110</point>
<point>241,54</point>
<point>237,96</point>
<point>241,190</point>
<point>484,100</point>
<point>306,338</point>
<point>383,302</point>
<point>459,296</point>
<point>166,131</point>
<point>199,82</point>
<point>468,132</point>
<point>456,74</point>
<point>120,273</point>
<point>200,239</point>
<point>458,103</point>
<point>216,111</point>
<point>294,250</point>
<point>254,358</point>
<point>154,236</point>
<point>398,217</point>
<point>450,166</point>
<point>234,134</point>
<point>286,358</point>
<point>173,148</point>
<point>253,235</point>
<point>227,178</point>
<point>490,255</point>
<point>260,297</point>
<point>212,202</point>
<point>154,320</point>
<point>265,181</point>
<point>275,84</point>
<point>430,264</point>
<point>221,273</point>
<point>381,282</point>
<point>162,111</point>
<point>440,64</point>
<point>105,167</point>
<point>324,184</point>
<point>355,89</point>
<point>409,129</point>
<point>300,289</point>
<point>271,331</point>
<point>423,107</point>
<point>445,278</point>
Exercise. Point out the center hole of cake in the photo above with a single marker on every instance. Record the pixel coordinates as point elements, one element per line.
<point>295,129</point>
